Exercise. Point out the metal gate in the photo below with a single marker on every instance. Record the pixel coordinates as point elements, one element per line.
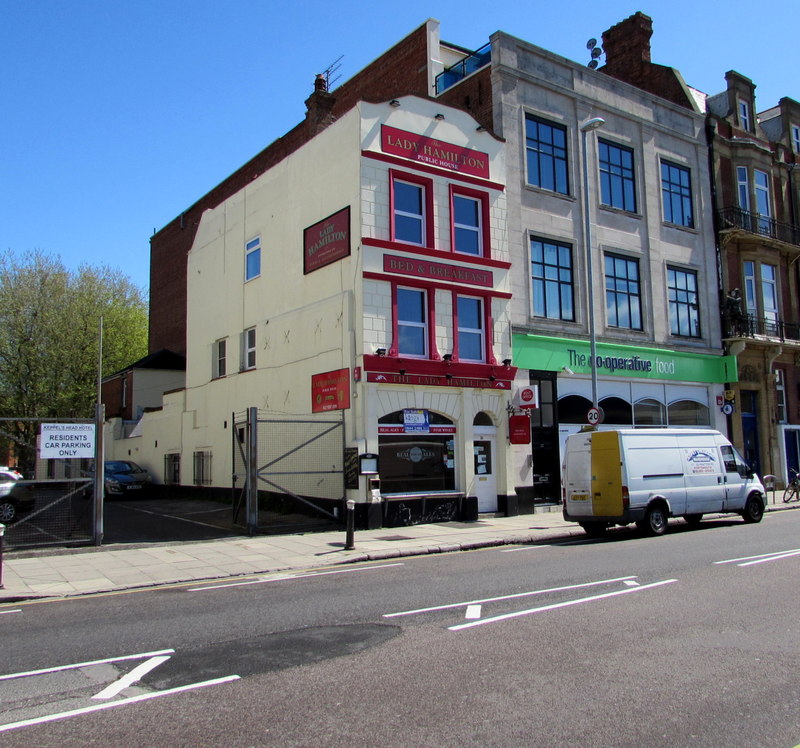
<point>287,463</point>
<point>53,502</point>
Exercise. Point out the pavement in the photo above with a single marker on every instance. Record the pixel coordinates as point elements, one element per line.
<point>61,572</point>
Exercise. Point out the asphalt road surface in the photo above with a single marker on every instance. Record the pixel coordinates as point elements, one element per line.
<point>690,639</point>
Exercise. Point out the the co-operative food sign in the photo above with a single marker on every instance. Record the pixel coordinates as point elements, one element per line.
<point>74,440</point>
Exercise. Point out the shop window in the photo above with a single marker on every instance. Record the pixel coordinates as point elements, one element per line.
<point>411,206</point>
<point>616,411</point>
<point>688,413</point>
<point>469,224</point>
<point>573,409</point>
<point>649,412</point>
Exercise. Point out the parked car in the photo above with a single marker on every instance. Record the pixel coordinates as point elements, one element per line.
<point>15,498</point>
<point>123,477</point>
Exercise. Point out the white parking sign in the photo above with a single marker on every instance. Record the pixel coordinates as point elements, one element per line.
<point>72,440</point>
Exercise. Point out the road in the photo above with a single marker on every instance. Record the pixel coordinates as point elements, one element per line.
<point>686,639</point>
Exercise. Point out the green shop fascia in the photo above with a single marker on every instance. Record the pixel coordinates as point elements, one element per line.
<point>543,353</point>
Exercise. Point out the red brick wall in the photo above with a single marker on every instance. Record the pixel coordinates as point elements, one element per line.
<point>401,70</point>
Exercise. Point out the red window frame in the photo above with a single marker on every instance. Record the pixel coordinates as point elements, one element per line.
<point>430,322</point>
<point>427,205</point>
<point>485,234</point>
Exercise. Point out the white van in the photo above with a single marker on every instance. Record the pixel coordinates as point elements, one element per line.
<point>648,475</point>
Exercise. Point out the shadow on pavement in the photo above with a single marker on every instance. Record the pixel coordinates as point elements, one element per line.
<point>163,520</point>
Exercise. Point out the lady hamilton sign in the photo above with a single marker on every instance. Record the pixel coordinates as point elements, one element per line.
<point>434,152</point>
<point>327,241</point>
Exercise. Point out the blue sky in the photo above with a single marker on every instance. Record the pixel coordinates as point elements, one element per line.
<point>118,114</point>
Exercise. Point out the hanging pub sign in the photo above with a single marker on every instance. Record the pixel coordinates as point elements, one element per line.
<point>330,391</point>
<point>327,241</point>
<point>434,152</point>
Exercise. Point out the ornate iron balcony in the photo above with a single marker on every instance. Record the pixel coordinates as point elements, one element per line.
<point>755,223</point>
<point>752,326</point>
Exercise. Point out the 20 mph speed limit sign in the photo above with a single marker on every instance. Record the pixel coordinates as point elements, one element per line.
<point>594,416</point>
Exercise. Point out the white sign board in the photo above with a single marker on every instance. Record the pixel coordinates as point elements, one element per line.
<point>61,440</point>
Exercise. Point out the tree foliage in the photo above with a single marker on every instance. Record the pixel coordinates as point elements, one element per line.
<point>49,334</point>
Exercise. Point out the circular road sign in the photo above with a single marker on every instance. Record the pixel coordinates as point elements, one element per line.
<point>594,416</point>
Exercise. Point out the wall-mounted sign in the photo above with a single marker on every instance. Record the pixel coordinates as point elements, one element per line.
<point>527,397</point>
<point>434,152</point>
<point>330,391</point>
<point>327,241</point>
<point>440,271</point>
<point>519,429</point>
<point>66,440</point>
<point>415,421</point>
<point>436,380</point>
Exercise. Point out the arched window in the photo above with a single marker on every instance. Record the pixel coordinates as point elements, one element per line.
<point>649,412</point>
<point>573,409</point>
<point>616,411</point>
<point>482,419</point>
<point>688,413</point>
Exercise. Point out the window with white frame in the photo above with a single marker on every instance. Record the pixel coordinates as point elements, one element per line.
<point>249,349</point>
<point>676,194</point>
<point>252,259</point>
<point>411,201</point>
<point>761,295</point>
<point>780,396</point>
<point>552,280</point>
<point>467,228</point>
<point>796,138</point>
<point>684,311</point>
<point>412,322</point>
<point>546,150</point>
<point>219,363</point>
<point>471,341</point>
<point>743,187</point>
<point>763,202</point>
<point>744,115</point>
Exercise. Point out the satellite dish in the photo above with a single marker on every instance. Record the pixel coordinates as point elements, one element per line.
<point>593,64</point>
<point>591,43</point>
<point>596,52</point>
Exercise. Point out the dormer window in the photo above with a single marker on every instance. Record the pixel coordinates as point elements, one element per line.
<point>744,115</point>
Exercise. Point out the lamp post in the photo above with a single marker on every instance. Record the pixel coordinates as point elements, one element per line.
<point>591,124</point>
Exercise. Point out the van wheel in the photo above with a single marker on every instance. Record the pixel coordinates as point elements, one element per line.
<point>655,521</point>
<point>693,519</point>
<point>753,509</point>
<point>594,529</point>
<point>8,512</point>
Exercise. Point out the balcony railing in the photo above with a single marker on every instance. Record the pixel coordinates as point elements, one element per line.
<point>751,326</point>
<point>755,223</point>
<point>463,68</point>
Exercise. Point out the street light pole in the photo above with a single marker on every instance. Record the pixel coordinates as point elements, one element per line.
<point>591,124</point>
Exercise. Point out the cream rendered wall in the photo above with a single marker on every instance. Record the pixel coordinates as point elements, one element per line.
<point>304,324</point>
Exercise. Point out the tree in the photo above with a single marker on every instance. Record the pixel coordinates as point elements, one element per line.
<point>49,341</point>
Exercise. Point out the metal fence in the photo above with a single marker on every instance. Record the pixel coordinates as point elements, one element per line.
<point>287,464</point>
<point>53,502</point>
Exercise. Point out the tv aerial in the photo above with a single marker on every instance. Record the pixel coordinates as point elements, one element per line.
<point>329,72</point>
<point>594,51</point>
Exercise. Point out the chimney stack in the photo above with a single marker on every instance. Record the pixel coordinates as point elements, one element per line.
<point>627,45</point>
<point>319,106</point>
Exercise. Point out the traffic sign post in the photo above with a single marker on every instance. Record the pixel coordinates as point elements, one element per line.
<point>594,416</point>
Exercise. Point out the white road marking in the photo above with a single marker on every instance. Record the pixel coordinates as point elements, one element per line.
<point>505,597</point>
<point>750,560</point>
<point>473,611</point>
<point>554,606</point>
<point>112,704</point>
<point>631,583</point>
<point>15,610</point>
<point>58,668</point>
<point>284,577</point>
<point>130,678</point>
<point>524,548</point>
